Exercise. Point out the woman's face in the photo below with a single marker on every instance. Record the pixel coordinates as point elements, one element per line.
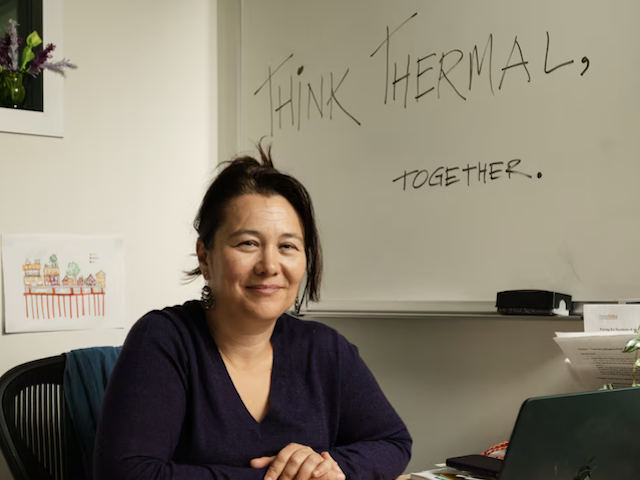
<point>258,258</point>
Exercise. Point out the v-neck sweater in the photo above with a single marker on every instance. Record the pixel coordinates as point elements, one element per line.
<point>171,410</point>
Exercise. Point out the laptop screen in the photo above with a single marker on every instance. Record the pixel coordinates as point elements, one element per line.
<point>582,436</point>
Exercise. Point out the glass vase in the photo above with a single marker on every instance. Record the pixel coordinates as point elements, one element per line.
<point>12,91</point>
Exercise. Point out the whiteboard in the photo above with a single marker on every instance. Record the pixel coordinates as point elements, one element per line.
<point>457,148</point>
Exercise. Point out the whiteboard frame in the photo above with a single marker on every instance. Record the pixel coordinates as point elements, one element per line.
<point>412,309</point>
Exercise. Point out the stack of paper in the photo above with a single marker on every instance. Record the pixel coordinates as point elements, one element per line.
<point>595,356</point>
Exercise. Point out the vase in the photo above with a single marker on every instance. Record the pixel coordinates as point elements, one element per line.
<point>12,91</point>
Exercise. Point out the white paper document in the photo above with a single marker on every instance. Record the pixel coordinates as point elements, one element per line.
<point>62,282</point>
<point>597,358</point>
<point>446,473</point>
<point>611,317</point>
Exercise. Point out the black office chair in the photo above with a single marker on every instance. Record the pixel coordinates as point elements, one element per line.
<point>36,434</point>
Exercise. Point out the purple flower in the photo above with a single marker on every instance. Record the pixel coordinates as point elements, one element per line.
<point>59,67</point>
<point>5,44</point>
<point>37,64</point>
<point>34,59</point>
<point>13,47</point>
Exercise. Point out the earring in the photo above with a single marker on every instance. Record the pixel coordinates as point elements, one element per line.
<point>208,302</point>
<point>297,305</point>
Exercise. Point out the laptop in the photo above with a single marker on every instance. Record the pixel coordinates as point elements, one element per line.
<point>578,436</point>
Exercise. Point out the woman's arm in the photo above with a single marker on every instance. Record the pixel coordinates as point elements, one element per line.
<point>143,411</point>
<point>373,442</point>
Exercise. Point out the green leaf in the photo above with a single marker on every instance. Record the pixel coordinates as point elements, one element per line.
<point>27,56</point>
<point>638,362</point>
<point>632,345</point>
<point>33,40</point>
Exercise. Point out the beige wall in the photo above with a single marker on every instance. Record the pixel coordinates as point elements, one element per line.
<point>143,114</point>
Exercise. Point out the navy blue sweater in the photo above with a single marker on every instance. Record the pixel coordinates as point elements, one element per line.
<point>171,411</point>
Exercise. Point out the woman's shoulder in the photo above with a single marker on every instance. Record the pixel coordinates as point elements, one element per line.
<point>170,323</point>
<point>314,343</point>
<point>311,333</point>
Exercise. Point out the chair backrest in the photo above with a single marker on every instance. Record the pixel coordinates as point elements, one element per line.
<point>36,434</point>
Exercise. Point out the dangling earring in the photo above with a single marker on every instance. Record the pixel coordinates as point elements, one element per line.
<point>208,302</point>
<point>297,305</point>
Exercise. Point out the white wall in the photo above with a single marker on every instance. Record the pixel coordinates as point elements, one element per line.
<point>141,119</point>
<point>138,151</point>
<point>228,63</point>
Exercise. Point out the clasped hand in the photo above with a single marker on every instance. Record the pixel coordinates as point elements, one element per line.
<point>298,462</point>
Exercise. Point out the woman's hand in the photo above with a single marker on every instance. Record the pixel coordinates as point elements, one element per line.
<point>298,462</point>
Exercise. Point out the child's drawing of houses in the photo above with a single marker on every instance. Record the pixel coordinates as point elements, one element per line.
<point>46,297</point>
<point>59,282</point>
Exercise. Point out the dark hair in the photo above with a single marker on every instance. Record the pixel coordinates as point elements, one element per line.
<point>243,176</point>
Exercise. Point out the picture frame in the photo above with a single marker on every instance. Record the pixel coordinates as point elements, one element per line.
<point>49,122</point>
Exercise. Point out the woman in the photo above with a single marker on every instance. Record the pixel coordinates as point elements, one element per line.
<point>231,387</point>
